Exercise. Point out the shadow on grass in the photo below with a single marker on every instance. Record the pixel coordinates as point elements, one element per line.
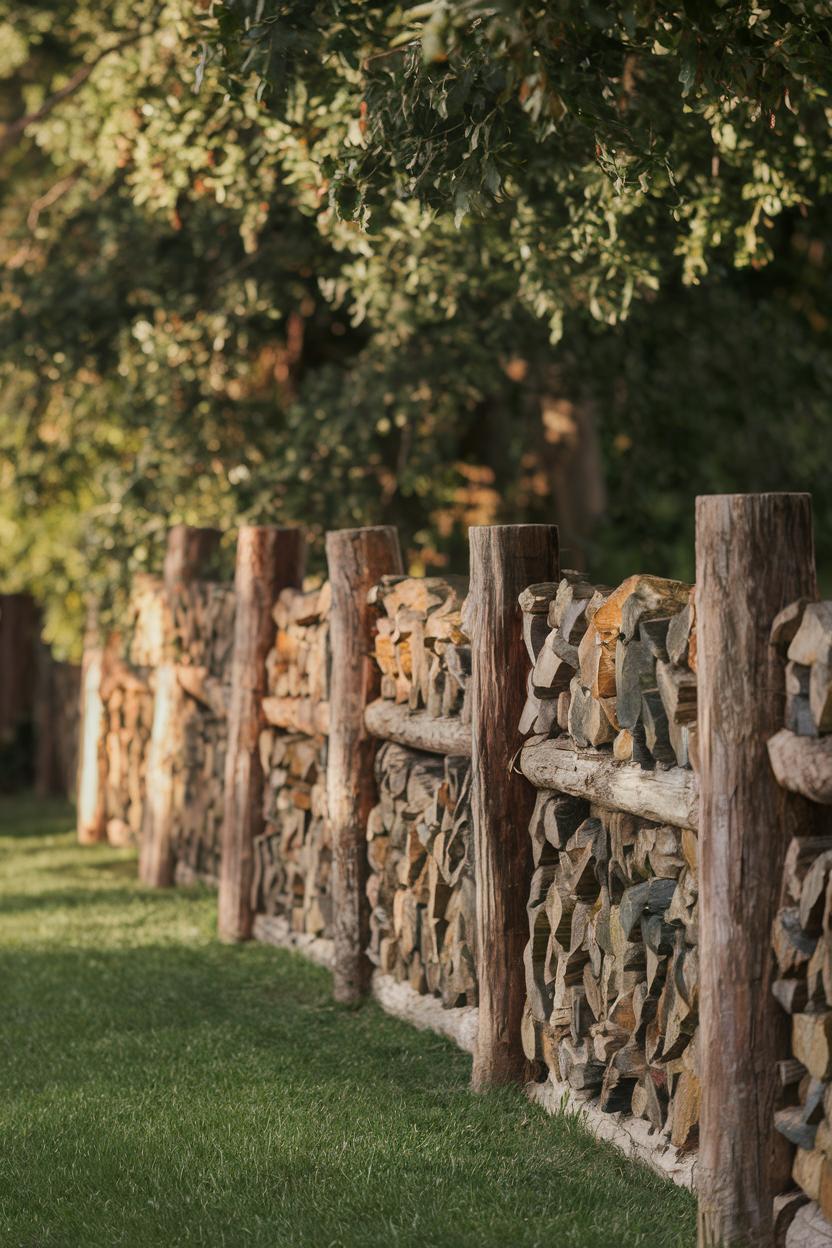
<point>73,898</point>
<point>22,816</point>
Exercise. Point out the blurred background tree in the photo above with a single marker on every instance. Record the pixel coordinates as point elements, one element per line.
<point>343,263</point>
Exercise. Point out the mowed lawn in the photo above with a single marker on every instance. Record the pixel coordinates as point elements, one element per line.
<point>162,1089</point>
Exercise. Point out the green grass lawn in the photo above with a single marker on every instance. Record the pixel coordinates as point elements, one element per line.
<point>162,1089</point>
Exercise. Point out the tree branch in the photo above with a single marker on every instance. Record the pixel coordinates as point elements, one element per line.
<point>14,132</point>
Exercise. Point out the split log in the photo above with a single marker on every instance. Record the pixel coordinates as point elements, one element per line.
<point>754,554</point>
<point>504,560</point>
<point>802,764</point>
<point>418,729</point>
<point>664,796</point>
<point>268,560</point>
<point>357,560</point>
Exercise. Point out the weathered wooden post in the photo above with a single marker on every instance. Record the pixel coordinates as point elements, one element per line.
<point>268,560</point>
<point>505,559</point>
<point>357,559</point>
<point>754,554</point>
<point>90,813</point>
<point>187,553</point>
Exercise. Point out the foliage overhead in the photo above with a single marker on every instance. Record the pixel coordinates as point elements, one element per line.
<point>299,261</point>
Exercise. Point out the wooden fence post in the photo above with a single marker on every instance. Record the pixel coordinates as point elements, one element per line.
<point>90,813</point>
<point>754,554</point>
<point>187,552</point>
<point>268,560</point>
<point>505,559</point>
<point>357,559</point>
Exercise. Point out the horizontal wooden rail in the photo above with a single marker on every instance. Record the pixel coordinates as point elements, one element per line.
<point>670,796</point>
<point>417,729</point>
<point>803,764</point>
<point>305,715</point>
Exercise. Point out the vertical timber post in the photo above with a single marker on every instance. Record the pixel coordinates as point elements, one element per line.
<point>90,813</point>
<point>187,552</point>
<point>357,559</point>
<point>269,560</point>
<point>754,554</point>
<point>505,559</point>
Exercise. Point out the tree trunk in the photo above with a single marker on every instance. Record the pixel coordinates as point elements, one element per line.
<point>505,559</point>
<point>268,560</point>
<point>754,554</point>
<point>90,814</point>
<point>357,559</point>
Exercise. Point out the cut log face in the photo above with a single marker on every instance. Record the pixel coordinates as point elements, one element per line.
<point>293,855</point>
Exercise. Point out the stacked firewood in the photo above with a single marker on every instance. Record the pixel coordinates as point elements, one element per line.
<point>421,646</point>
<point>293,857</point>
<point>297,668</point>
<point>127,688</point>
<point>614,669</point>
<point>803,633</point>
<point>127,698</point>
<point>802,933</point>
<point>612,964</point>
<point>203,637</point>
<point>421,888</point>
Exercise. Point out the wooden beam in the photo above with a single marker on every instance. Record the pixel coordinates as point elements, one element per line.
<point>666,796</point>
<point>269,560</point>
<point>90,812</point>
<point>803,764</point>
<point>505,559</point>
<point>754,554</point>
<point>357,559</point>
<point>417,729</point>
<point>188,552</point>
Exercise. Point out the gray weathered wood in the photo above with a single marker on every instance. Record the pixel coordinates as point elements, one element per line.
<point>357,559</point>
<point>754,554</point>
<point>505,559</point>
<point>803,764</point>
<point>268,560</point>
<point>187,553</point>
<point>417,729</point>
<point>669,796</point>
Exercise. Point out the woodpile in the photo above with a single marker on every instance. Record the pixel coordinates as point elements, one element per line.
<point>203,636</point>
<point>293,856</point>
<point>613,668</point>
<point>802,933</point>
<point>803,632</point>
<point>611,964</point>
<point>421,647</point>
<point>127,688</point>
<point>802,942</point>
<point>421,887</point>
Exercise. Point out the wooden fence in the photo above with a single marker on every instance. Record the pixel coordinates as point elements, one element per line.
<point>556,821</point>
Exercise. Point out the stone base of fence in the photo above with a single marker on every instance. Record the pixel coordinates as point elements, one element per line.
<point>633,1136</point>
